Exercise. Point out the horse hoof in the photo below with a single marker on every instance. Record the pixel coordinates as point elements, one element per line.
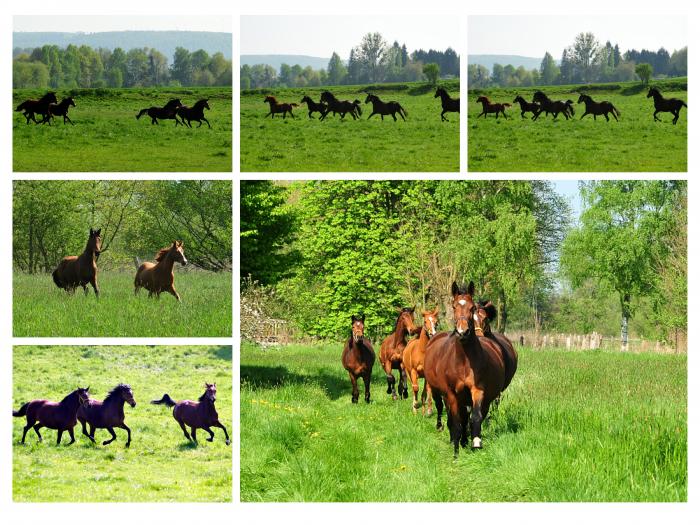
<point>354,400</point>
<point>228,441</point>
<point>128,444</point>
<point>476,443</point>
<point>105,443</point>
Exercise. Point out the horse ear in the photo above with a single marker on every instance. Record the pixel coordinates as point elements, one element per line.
<point>455,288</point>
<point>92,232</point>
<point>470,289</point>
<point>353,318</point>
<point>98,232</point>
<point>412,309</point>
<point>87,389</point>
<point>174,243</point>
<point>363,318</point>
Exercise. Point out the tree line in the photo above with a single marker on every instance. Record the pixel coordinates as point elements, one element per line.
<point>51,66</point>
<point>372,61</point>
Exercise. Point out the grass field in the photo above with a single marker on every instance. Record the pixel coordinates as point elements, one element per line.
<point>593,426</point>
<point>107,136</point>
<point>635,143</point>
<point>160,465</point>
<point>422,143</point>
<point>40,309</point>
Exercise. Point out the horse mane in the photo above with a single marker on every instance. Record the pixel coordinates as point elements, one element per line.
<point>74,393</point>
<point>162,253</point>
<point>200,102</point>
<point>203,397</point>
<point>115,391</point>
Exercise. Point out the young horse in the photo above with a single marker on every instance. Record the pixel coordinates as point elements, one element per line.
<point>107,414</point>
<point>195,414</point>
<point>491,107</point>
<point>195,113</point>
<point>57,416</point>
<point>598,108</point>
<point>670,105</point>
<point>358,357</point>
<point>449,105</point>
<point>342,107</point>
<point>74,271</point>
<point>414,358</point>
<point>314,107</point>
<point>60,110</point>
<point>554,107</point>
<point>41,107</point>
<point>391,352</point>
<point>159,277</point>
<point>167,112</point>
<point>279,107</point>
<point>527,107</point>
<point>385,108</point>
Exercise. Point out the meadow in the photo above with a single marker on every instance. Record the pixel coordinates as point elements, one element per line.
<point>572,426</point>
<point>634,144</point>
<point>421,143</point>
<point>160,465</point>
<point>40,309</point>
<point>108,137</point>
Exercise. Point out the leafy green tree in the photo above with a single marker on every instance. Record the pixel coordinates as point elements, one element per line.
<point>644,72</point>
<point>371,50</point>
<point>432,72</point>
<point>549,72</point>
<point>182,66</point>
<point>336,70</point>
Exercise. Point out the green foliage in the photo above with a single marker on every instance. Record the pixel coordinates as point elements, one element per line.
<point>644,72</point>
<point>432,72</point>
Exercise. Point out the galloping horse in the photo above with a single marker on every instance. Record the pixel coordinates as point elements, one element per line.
<point>391,352</point>
<point>313,107</point>
<point>57,416</point>
<point>414,358</point>
<point>449,105</point>
<point>385,108</point>
<point>60,110</point>
<point>465,369</point>
<point>670,105</point>
<point>195,113</point>
<point>107,414</point>
<point>279,107</point>
<point>491,107</point>
<point>598,108</point>
<point>159,277</point>
<point>41,107</point>
<point>74,271</point>
<point>196,414</point>
<point>342,107</point>
<point>554,107</point>
<point>527,107</point>
<point>358,357</point>
<point>167,112</point>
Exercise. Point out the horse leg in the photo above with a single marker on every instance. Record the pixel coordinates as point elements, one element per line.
<point>58,439</point>
<point>211,434</point>
<point>606,117</point>
<point>454,421</point>
<point>464,418</point>
<point>414,386</point>
<point>476,418</point>
<point>93,282</point>
<point>193,431</point>
<point>370,115</point>
<point>205,120</point>
<point>184,430</point>
<point>85,290</point>
<point>438,407</point>
<point>676,114</point>
<point>394,115</point>
<point>390,380</point>
<point>355,392</point>
<point>367,378</point>
<point>426,386</point>
<point>72,436</point>
<point>220,425</point>
<point>442,116</point>
<point>111,433</point>
<point>655,117</point>
<point>66,117</point>
<point>128,434</point>
<point>85,432</point>
<point>36,429</point>
<point>26,429</point>
<point>172,291</point>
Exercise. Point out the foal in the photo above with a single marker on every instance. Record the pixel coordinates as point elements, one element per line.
<point>527,107</point>
<point>279,107</point>
<point>314,107</point>
<point>414,358</point>
<point>159,277</point>
<point>60,110</point>
<point>491,107</point>
<point>358,357</point>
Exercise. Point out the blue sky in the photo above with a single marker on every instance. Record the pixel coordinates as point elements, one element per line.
<point>569,189</point>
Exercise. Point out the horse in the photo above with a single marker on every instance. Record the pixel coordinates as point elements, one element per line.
<point>159,277</point>
<point>414,357</point>
<point>391,352</point>
<point>598,108</point>
<point>342,107</point>
<point>449,105</point>
<point>358,357</point>
<point>279,107</point>
<point>74,271</point>
<point>486,313</point>
<point>466,370</point>
<point>527,107</point>
<point>195,113</point>
<point>60,110</point>
<point>385,108</point>
<point>670,105</point>
<point>491,107</point>
<point>57,416</point>
<point>554,107</point>
<point>196,414</point>
<point>41,106</point>
<point>314,107</point>
<point>107,414</point>
<point>167,112</point>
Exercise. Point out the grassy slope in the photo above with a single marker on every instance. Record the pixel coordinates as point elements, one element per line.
<point>572,427</point>
<point>160,465</point>
<point>42,309</point>
<point>636,143</point>
<point>107,136</point>
<point>422,143</point>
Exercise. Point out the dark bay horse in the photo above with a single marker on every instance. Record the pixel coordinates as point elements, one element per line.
<point>414,359</point>
<point>358,357</point>
<point>40,107</point>
<point>159,276</point>
<point>547,105</point>
<point>196,414</point>
<point>57,416</point>
<point>391,352</point>
<point>167,112</point>
<point>598,108</point>
<point>60,110</point>
<point>341,107</point>
<point>279,107</point>
<point>314,107</point>
<point>666,105</point>
<point>107,414</point>
<point>385,108</point>
<point>491,107</point>
<point>449,105</point>
<point>74,271</point>
<point>486,313</point>
<point>527,107</point>
<point>195,113</point>
<point>465,370</point>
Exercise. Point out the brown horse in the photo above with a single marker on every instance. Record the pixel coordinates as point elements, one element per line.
<point>195,113</point>
<point>358,357</point>
<point>670,105</point>
<point>74,271</point>
<point>107,414</point>
<point>40,107</point>
<point>60,110</point>
<point>391,352</point>
<point>466,370</point>
<point>547,106</point>
<point>491,107</point>
<point>196,414</point>
<point>414,358</point>
<point>486,312</point>
<point>279,107</point>
<point>58,416</point>
<point>159,277</point>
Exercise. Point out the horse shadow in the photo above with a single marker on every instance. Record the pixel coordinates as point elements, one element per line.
<point>262,377</point>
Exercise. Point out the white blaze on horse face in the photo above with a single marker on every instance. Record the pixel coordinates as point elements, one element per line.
<point>462,302</point>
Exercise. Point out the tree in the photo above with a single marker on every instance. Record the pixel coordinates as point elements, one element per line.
<point>432,72</point>
<point>371,50</point>
<point>584,50</point>
<point>548,70</point>
<point>644,72</point>
<point>182,66</point>
<point>336,70</point>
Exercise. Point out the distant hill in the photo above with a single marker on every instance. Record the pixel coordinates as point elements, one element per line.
<point>515,60</point>
<point>163,41</point>
<point>277,60</point>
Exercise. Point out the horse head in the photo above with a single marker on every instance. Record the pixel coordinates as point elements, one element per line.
<point>127,394</point>
<point>210,391</point>
<point>406,317</point>
<point>430,321</point>
<point>440,93</point>
<point>83,395</point>
<point>305,99</point>
<point>653,92</point>
<point>371,98</point>
<point>69,101</point>
<point>463,308</point>
<point>485,313</point>
<point>95,242</point>
<point>358,328</point>
<point>270,99</point>
<point>178,249</point>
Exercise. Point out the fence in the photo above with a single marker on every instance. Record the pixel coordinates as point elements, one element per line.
<point>595,341</point>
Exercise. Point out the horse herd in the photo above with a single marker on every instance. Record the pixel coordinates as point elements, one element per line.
<point>329,103</point>
<point>81,270</point>
<point>541,103</point>
<point>109,414</point>
<point>466,369</point>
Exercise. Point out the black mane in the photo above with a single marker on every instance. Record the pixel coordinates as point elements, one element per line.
<point>116,390</point>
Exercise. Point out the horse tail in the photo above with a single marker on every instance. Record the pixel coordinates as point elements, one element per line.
<point>21,412</point>
<point>56,279</point>
<point>617,111</point>
<point>686,105</point>
<point>506,105</point>
<point>405,113</point>
<point>141,113</point>
<point>294,105</point>
<point>165,400</point>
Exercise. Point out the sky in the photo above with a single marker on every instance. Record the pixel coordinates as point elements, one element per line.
<point>321,35</point>
<point>532,36</point>
<point>98,24</point>
<point>569,190</point>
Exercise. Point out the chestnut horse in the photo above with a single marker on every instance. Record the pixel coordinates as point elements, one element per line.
<point>74,271</point>
<point>107,414</point>
<point>464,369</point>
<point>414,357</point>
<point>492,107</point>
<point>196,414</point>
<point>159,277</point>
<point>358,357</point>
<point>58,416</point>
<point>391,352</point>
<point>279,107</point>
